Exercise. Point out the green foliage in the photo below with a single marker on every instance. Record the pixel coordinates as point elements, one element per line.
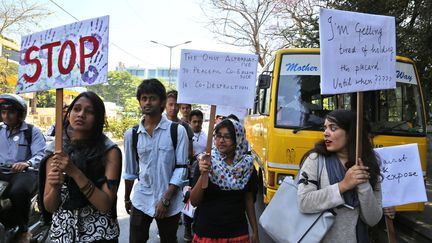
<point>8,76</point>
<point>45,99</point>
<point>117,127</point>
<point>120,86</point>
<point>131,108</point>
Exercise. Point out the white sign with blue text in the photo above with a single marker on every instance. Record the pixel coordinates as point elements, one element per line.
<point>358,52</point>
<point>402,177</point>
<point>217,78</point>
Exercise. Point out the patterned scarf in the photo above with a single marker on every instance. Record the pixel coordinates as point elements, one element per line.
<point>237,175</point>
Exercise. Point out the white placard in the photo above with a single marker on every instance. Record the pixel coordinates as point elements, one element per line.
<point>358,52</point>
<point>72,55</point>
<point>228,110</point>
<point>217,78</point>
<point>402,175</point>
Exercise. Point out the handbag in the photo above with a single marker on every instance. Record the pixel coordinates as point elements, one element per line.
<point>283,221</point>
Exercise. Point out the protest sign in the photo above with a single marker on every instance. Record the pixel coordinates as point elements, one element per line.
<point>217,78</point>
<point>358,52</point>
<point>223,110</point>
<point>402,175</point>
<point>67,56</point>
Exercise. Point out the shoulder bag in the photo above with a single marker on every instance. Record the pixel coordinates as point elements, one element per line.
<point>283,221</point>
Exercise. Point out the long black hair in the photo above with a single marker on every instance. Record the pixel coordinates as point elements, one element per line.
<point>99,114</point>
<point>346,120</point>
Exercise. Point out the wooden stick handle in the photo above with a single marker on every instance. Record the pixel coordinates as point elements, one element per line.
<point>359,127</point>
<point>59,120</point>
<point>391,233</point>
<point>209,142</point>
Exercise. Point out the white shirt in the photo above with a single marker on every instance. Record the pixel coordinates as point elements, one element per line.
<point>199,141</point>
<point>156,166</point>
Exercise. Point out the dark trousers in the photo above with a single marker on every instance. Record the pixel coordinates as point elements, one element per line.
<point>19,191</point>
<point>140,225</point>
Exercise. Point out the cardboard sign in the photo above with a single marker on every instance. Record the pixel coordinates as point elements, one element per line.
<point>217,78</point>
<point>358,52</point>
<point>402,175</point>
<point>72,55</point>
<point>228,110</point>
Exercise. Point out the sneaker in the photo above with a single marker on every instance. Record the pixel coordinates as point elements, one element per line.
<point>187,234</point>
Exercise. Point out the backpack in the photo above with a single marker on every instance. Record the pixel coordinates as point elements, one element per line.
<point>173,131</point>
<point>28,133</point>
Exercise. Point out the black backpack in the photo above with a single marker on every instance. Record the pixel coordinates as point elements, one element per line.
<point>173,131</point>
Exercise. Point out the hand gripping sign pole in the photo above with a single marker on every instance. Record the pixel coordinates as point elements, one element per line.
<point>391,234</point>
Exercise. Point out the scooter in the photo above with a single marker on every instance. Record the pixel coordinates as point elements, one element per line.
<point>37,225</point>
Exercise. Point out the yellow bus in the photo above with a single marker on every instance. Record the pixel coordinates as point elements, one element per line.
<point>288,115</point>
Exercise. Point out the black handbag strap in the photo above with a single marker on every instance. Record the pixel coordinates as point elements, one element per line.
<point>305,180</point>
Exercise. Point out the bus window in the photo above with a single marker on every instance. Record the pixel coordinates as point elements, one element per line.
<point>396,111</point>
<point>299,102</point>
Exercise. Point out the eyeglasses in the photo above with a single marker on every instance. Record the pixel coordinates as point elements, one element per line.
<point>225,137</point>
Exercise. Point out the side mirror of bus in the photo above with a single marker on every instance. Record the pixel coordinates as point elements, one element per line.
<point>264,81</point>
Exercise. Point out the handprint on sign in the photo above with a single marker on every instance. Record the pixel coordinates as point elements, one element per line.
<point>98,62</point>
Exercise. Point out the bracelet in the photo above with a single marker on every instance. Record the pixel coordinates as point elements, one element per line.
<point>88,189</point>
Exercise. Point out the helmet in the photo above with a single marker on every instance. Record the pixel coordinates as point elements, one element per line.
<point>14,102</point>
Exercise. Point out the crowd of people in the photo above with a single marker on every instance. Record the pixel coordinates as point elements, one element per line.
<point>163,154</point>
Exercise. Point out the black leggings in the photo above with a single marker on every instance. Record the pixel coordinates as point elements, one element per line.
<point>19,191</point>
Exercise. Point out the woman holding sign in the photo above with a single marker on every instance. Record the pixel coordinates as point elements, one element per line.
<point>81,182</point>
<point>351,189</point>
<point>221,207</point>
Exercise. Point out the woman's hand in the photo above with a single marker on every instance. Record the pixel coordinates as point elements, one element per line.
<point>55,177</point>
<point>204,164</point>
<point>63,163</point>
<point>389,212</point>
<point>356,175</point>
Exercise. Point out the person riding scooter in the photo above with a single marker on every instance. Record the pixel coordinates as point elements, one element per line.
<point>22,146</point>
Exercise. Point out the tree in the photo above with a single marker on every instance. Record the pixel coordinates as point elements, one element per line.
<point>243,23</point>
<point>8,76</point>
<point>120,86</point>
<point>45,99</point>
<point>17,15</point>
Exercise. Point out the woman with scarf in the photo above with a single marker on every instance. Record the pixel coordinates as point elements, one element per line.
<point>221,207</point>
<point>351,189</point>
<point>81,181</point>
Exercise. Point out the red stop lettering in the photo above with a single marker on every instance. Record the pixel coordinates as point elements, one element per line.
<point>72,59</point>
<point>27,60</point>
<point>83,56</point>
<point>50,47</point>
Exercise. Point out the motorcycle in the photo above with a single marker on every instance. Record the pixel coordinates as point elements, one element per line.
<point>38,227</point>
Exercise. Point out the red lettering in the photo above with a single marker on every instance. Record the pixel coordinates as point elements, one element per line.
<point>72,59</point>
<point>50,47</point>
<point>28,60</point>
<point>83,56</point>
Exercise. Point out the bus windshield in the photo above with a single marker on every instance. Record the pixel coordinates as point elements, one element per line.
<point>397,111</point>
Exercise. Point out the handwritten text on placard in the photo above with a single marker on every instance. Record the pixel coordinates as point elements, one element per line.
<point>217,78</point>
<point>358,52</point>
<point>402,177</point>
<point>71,55</point>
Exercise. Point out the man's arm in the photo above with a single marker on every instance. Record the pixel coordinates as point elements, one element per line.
<point>131,168</point>
<point>37,147</point>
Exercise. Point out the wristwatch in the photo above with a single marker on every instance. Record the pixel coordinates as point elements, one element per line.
<point>165,202</point>
<point>29,163</point>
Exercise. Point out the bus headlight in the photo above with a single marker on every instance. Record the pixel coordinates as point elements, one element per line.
<point>281,177</point>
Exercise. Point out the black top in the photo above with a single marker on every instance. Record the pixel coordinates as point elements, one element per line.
<point>222,214</point>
